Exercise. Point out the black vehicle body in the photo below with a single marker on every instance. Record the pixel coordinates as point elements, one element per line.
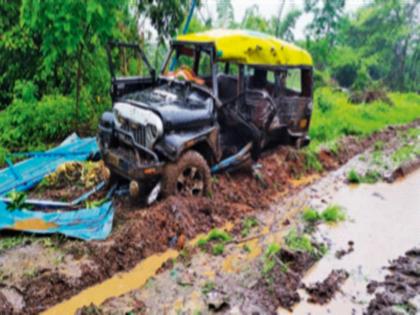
<point>231,118</point>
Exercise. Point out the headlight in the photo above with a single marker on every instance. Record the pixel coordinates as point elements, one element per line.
<point>118,118</point>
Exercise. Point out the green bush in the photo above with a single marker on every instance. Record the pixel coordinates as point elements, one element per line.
<point>218,249</point>
<point>345,66</point>
<point>321,78</point>
<point>218,235</point>
<point>311,215</point>
<point>353,177</point>
<point>333,213</point>
<point>36,125</point>
<point>268,259</point>
<point>25,90</point>
<point>296,242</point>
<point>323,104</point>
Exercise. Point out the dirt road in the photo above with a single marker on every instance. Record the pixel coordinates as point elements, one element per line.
<point>258,210</point>
<point>381,224</point>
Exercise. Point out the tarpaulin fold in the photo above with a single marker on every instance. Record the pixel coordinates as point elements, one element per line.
<point>87,224</point>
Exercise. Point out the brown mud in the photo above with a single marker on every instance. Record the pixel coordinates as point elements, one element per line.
<point>5,306</point>
<point>279,287</point>
<point>239,282</point>
<point>140,232</point>
<point>396,293</point>
<point>323,292</point>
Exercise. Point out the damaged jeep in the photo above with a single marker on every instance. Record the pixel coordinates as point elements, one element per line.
<point>220,99</point>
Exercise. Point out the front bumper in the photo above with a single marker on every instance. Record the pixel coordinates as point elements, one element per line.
<point>126,158</point>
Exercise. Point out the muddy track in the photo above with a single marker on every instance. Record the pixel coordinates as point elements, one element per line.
<point>399,288</point>
<point>140,232</point>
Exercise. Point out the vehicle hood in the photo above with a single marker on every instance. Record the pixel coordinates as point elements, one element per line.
<point>178,106</point>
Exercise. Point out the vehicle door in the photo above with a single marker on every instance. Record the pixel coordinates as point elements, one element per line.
<point>293,100</point>
<point>130,70</point>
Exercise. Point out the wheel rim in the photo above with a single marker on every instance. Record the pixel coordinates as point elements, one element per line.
<point>190,182</point>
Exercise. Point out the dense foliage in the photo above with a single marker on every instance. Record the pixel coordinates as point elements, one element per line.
<point>54,76</point>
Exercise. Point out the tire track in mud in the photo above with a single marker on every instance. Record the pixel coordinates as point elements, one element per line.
<point>140,233</point>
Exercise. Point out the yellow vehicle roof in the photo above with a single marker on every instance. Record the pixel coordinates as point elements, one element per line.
<point>249,47</point>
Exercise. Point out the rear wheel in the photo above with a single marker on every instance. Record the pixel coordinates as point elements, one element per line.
<point>189,176</point>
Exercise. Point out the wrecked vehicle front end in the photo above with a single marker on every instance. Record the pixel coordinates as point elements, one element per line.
<point>149,128</point>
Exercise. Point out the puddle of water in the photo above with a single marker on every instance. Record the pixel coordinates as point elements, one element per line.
<point>121,283</point>
<point>115,286</point>
<point>383,222</point>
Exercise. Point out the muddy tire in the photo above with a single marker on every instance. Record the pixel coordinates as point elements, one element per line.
<point>189,176</point>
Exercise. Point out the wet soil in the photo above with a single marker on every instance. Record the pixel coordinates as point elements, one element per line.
<point>323,292</point>
<point>279,287</point>
<point>395,294</point>
<point>140,232</point>
<point>5,306</point>
<point>234,282</point>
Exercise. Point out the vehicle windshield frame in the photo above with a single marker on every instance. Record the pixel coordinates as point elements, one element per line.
<point>201,46</point>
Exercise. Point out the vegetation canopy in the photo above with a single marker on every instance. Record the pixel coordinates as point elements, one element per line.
<point>54,76</point>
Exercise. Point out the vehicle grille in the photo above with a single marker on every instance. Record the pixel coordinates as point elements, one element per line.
<point>139,133</point>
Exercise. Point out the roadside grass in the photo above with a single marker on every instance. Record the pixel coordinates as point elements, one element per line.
<point>406,153</point>
<point>269,260</point>
<point>312,162</point>
<point>298,242</point>
<point>370,177</point>
<point>214,242</point>
<point>353,177</point>
<point>8,242</point>
<point>53,242</point>
<point>311,215</point>
<point>333,214</point>
<point>334,116</point>
<point>247,225</point>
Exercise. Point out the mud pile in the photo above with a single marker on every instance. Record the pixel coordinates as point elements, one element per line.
<point>399,287</point>
<point>323,292</point>
<point>279,287</point>
<point>151,231</point>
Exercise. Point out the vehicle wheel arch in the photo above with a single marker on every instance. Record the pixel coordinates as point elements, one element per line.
<point>206,150</point>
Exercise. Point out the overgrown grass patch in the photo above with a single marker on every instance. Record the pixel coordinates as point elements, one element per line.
<point>310,215</point>
<point>312,162</point>
<point>370,177</point>
<point>406,153</point>
<point>214,242</point>
<point>301,242</point>
<point>333,213</point>
<point>334,116</point>
<point>247,225</point>
<point>268,259</point>
<point>353,177</point>
<point>11,242</point>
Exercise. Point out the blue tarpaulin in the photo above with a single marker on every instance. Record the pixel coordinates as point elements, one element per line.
<point>87,224</point>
